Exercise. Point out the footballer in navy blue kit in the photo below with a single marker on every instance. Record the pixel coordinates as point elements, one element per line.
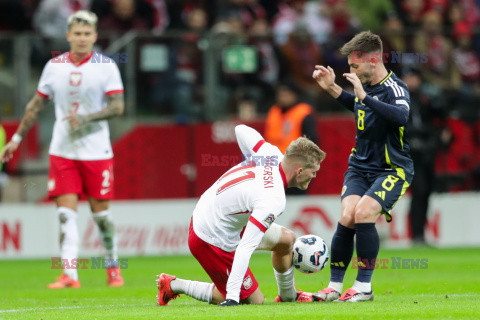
<point>380,168</point>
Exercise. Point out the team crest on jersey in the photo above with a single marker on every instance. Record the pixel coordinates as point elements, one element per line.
<point>75,79</point>
<point>247,282</point>
<point>269,220</point>
<point>343,190</point>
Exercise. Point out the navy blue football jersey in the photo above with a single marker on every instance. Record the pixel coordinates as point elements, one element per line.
<point>381,145</point>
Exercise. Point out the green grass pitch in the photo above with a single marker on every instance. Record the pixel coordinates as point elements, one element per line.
<point>449,288</point>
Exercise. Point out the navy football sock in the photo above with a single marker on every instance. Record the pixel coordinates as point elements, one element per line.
<point>368,245</point>
<point>342,251</point>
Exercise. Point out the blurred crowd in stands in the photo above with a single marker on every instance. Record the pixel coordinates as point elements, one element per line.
<point>434,45</point>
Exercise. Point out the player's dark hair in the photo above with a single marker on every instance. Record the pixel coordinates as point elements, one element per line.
<point>363,42</point>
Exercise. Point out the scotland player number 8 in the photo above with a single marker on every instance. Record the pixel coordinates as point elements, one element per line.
<point>389,182</point>
<point>361,120</point>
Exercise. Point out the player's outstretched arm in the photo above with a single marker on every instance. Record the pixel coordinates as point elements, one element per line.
<point>250,240</point>
<point>34,106</point>
<point>247,139</point>
<point>115,107</point>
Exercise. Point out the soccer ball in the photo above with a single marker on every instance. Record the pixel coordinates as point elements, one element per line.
<point>310,253</point>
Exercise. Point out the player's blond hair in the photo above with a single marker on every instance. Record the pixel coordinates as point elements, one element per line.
<point>363,42</point>
<point>305,151</point>
<point>83,17</point>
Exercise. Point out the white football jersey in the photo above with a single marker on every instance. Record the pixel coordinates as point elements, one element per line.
<point>252,192</point>
<point>80,88</point>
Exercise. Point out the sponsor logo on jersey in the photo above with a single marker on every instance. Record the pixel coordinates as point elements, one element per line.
<point>104,191</point>
<point>380,194</point>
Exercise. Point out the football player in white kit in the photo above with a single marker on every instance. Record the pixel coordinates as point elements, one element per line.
<point>236,215</point>
<point>87,89</point>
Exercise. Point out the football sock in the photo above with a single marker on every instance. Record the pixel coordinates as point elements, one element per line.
<point>362,286</point>
<point>286,285</point>
<point>342,252</point>
<point>202,291</point>
<point>368,245</point>
<point>107,235</point>
<point>68,238</point>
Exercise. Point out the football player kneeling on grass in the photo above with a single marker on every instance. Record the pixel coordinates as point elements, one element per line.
<point>235,217</point>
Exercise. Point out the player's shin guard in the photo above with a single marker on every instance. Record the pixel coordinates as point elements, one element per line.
<point>69,239</point>
<point>107,234</point>
<point>341,254</point>
<point>201,291</point>
<point>286,285</point>
<point>368,245</point>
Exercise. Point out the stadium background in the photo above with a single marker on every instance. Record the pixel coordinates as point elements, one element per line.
<point>192,70</point>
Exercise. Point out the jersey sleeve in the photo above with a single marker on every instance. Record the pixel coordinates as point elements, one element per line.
<point>395,105</point>
<point>265,212</point>
<point>44,88</point>
<point>261,219</point>
<point>248,139</point>
<point>397,94</point>
<point>114,83</point>
<point>250,240</point>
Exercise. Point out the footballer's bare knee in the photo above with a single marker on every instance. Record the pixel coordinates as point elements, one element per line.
<point>349,204</point>
<point>367,210</point>
<point>348,218</point>
<point>256,297</point>
<point>69,200</point>
<point>285,244</point>
<point>98,205</point>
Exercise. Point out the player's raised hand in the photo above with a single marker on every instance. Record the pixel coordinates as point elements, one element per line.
<point>8,150</point>
<point>325,77</point>
<point>357,85</point>
<point>75,120</point>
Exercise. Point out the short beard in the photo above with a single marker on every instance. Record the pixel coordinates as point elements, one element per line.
<point>367,79</point>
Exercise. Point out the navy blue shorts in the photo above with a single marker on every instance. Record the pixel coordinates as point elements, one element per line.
<point>387,187</point>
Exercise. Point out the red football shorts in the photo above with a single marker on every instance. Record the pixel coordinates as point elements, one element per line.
<point>217,263</point>
<point>92,177</point>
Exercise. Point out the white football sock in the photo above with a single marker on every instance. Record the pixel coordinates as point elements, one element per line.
<point>286,285</point>
<point>362,286</point>
<point>106,228</point>
<point>68,238</point>
<point>337,286</point>
<point>202,291</point>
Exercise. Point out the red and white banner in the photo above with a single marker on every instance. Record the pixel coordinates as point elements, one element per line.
<point>161,227</point>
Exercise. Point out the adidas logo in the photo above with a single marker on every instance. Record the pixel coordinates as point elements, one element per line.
<point>381,194</point>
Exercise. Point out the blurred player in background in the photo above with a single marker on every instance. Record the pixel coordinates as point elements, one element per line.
<point>86,92</point>
<point>236,215</point>
<point>380,168</point>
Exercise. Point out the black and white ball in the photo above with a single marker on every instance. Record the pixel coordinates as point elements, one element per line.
<point>310,254</point>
